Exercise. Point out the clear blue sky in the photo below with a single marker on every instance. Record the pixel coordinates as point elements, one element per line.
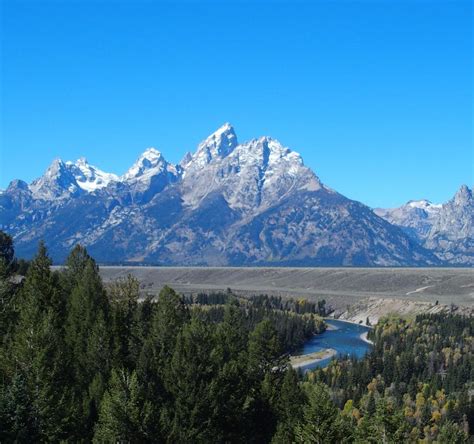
<point>376,95</point>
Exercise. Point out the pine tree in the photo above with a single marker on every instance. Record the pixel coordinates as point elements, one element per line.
<point>7,252</point>
<point>89,343</point>
<point>387,424</point>
<point>265,366</point>
<point>170,315</point>
<point>188,380</point>
<point>124,416</point>
<point>264,350</point>
<point>16,413</point>
<point>41,286</point>
<point>320,423</point>
<point>124,294</point>
<point>231,336</point>
<point>228,389</point>
<point>166,319</point>
<point>288,407</point>
<point>74,268</point>
<point>38,349</point>
<point>7,307</point>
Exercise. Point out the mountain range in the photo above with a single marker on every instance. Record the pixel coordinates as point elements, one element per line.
<point>446,229</point>
<point>228,203</point>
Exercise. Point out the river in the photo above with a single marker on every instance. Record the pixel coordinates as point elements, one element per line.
<point>343,337</point>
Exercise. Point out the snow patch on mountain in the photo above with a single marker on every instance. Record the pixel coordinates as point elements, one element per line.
<point>424,204</point>
<point>447,229</point>
<point>89,177</point>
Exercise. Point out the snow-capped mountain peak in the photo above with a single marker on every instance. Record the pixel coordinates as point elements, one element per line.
<point>150,174</point>
<point>150,163</point>
<point>221,142</point>
<point>89,177</point>
<point>416,216</point>
<point>216,146</point>
<point>57,182</point>
<point>152,154</point>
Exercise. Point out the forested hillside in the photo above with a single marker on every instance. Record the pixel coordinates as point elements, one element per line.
<point>415,385</point>
<point>84,362</point>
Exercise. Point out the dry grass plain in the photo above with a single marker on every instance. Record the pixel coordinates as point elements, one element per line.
<point>341,287</point>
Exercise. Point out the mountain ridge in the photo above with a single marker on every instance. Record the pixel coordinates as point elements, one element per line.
<point>228,203</point>
<point>446,229</point>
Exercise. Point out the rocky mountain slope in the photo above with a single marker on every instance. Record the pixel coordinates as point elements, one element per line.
<point>229,203</point>
<point>446,229</point>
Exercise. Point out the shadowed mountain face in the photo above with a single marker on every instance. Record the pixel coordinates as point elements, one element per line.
<point>446,229</point>
<point>229,203</point>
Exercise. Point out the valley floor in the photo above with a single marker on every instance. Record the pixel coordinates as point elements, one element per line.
<point>354,293</point>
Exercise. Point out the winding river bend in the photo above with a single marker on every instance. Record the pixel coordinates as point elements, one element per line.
<point>343,337</point>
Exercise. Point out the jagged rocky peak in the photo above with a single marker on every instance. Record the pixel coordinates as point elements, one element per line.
<point>272,152</point>
<point>416,217</point>
<point>278,164</point>
<point>452,233</point>
<point>221,142</point>
<point>254,175</point>
<point>218,145</point>
<point>16,184</point>
<point>58,182</point>
<point>446,228</point>
<point>56,168</point>
<point>150,175</point>
<point>150,163</point>
<point>186,159</point>
<point>463,195</point>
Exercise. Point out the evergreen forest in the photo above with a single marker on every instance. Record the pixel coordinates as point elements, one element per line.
<point>83,361</point>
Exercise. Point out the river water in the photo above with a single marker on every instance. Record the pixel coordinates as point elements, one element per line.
<point>344,337</point>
